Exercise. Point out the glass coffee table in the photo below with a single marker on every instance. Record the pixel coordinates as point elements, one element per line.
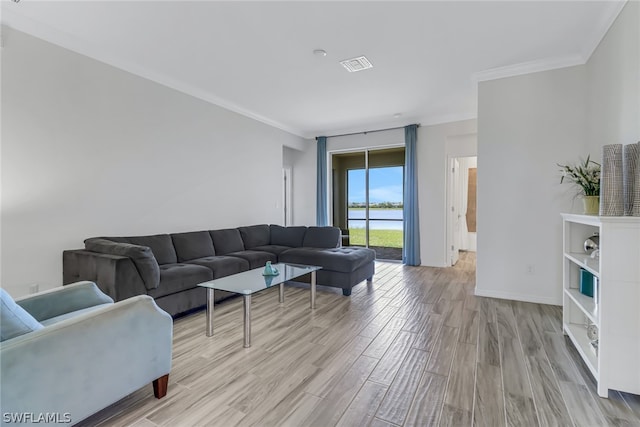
<point>253,281</point>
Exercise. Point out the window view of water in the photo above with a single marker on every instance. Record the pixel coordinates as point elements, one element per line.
<point>379,219</point>
<point>385,197</point>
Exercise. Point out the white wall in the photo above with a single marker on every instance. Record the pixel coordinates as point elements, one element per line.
<point>613,79</point>
<point>89,150</point>
<point>526,125</point>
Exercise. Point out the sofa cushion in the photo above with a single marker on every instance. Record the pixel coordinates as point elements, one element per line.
<point>180,277</point>
<point>193,245</point>
<point>287,236</point>
<point>222,266</point>
<point>321,237</point>
<point>227,241</point>
<point>142,258</point>
<point>14,320</point>
<point>255,235</point>
<point>344,260</point>
<point>256,259</point>
<point>274,249</point>
<point>161,245</point>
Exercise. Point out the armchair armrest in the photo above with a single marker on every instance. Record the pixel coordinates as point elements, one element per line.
<point>83,364</point>
<point>55,302</point>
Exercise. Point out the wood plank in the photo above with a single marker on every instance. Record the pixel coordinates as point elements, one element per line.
<point>489,398</point>
<point>336,401</point>
<point>582,407</point>
<point>363,407</point>
<point>426,337</point>
<point>469,327</point>
<point>386,369</point>
<point>427,404</point>
<point>552,410</point>
<point>442,354</point>
<point>395,406</point>
<point>381,343</point>
<point>460,388</point>
<point>519,404</point>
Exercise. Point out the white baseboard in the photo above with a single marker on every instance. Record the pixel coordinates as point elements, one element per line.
<point>517,297</point>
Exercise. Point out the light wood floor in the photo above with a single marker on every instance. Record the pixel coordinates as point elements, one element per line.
<point>413,348</point>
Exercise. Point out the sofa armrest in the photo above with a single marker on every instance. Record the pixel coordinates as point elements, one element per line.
<point>83,364</point>
<point>55,302</point>
<point>115,275</point>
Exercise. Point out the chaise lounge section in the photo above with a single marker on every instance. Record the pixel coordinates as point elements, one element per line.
<point>169,267</point>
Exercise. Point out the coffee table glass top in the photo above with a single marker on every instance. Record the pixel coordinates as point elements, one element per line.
<point>252,281</point>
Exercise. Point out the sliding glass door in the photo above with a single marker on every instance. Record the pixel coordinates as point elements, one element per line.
<point>368,199</point>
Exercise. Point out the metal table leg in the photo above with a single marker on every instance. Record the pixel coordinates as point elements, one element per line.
<point>247,321</point>
<point>313,289</point>
<point>281,293</point>
<point>210,299</point>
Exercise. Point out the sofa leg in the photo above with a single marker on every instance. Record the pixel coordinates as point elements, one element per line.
<point>160,386</point>
<point>346,292</point>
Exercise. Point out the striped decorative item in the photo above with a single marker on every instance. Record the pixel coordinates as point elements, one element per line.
<point>635,209</point>
<point>630,166</point>
<point>611,191</point>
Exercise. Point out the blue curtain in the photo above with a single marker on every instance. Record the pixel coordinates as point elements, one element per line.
<point>411,247</point>
<point>321,189</point>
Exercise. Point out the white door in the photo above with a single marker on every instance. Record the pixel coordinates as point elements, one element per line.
<point>454,210</point>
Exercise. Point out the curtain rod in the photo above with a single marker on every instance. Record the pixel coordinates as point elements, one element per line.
<point>367,131</point>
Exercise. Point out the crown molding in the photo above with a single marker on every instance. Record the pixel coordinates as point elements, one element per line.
<point>528,68</point>
<point>74,44</point>
<point>602,27</point>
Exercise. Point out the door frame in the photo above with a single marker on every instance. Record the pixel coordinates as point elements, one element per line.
<point>365,151</point>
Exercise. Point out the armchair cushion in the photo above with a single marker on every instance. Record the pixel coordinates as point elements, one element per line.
<point>142,257</point>
<point>14,320</point>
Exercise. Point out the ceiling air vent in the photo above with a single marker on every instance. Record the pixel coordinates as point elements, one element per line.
<point>356,64</point>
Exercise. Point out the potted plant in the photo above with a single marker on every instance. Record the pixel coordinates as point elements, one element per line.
<point>586,176</point>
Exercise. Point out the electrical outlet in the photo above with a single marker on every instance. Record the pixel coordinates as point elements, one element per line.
<point>33,289</point>
<point>531,269</point>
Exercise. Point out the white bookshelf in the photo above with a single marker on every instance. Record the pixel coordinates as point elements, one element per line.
<point>616,365</point>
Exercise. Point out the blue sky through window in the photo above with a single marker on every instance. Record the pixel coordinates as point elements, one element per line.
<point>385,185</point>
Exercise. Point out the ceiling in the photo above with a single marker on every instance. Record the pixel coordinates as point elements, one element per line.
<point>256,58</point>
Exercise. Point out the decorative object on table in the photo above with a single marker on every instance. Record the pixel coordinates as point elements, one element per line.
<point>594,346</point>
<point>268,279</point>
<point>631,179</point>
<point>269,270</point>
<point>586,176</point>
<point>612,193</point>
<point>592,243</point>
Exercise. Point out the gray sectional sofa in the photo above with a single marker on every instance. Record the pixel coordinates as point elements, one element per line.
<point>169,267</point>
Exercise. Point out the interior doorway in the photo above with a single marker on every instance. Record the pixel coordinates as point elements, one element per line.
<point>368,192</point>
<point>461,206</point>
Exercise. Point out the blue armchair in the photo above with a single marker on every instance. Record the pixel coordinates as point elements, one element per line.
<point>70,352</point>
